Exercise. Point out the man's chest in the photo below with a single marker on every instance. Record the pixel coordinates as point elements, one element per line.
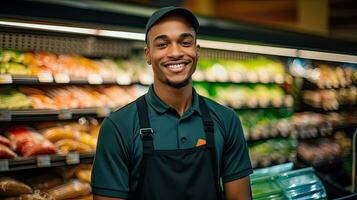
<point>173,133</point>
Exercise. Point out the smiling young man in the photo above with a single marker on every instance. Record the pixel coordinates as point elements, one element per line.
<point>172,143</point>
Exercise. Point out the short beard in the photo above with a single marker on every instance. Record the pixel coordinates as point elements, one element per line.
<point>178,85</point>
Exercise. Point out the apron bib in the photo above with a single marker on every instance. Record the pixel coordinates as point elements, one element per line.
<point>184,174</point>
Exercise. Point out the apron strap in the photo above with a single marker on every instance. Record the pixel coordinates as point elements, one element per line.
<point>146,132</point>
<point>209,130</point>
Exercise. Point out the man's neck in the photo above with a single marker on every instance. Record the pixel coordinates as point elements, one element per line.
<point>178,98</point>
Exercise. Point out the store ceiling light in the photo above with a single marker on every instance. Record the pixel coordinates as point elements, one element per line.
<point>327,56</point>
<point>122,34</point>
<point>58,28</point>
<point>278,51</point>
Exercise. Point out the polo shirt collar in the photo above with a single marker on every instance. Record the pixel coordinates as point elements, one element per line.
<point>161,107</point>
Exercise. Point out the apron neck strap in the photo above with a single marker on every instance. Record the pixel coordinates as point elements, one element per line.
<point>146,132</point>
<point>207,122</point>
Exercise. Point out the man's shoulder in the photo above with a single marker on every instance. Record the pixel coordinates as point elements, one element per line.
<point>126,113</point>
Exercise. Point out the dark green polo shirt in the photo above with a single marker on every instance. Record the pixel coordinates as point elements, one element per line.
<point>119,150</point>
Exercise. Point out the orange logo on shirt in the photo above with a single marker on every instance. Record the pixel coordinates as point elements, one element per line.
<point>200,142</point>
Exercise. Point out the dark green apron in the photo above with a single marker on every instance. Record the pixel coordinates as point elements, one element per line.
<point>182,174</point>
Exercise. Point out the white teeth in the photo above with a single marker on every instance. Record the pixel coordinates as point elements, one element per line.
<point>176,66</point>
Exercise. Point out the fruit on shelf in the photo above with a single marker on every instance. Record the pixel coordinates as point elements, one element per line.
<point>66,97</point>
<point>10,98</point>
<point>29,142</point>
<point>247,95</point>
<point>6,152</point>
<point>330,99</point>
<point>255,70</point>
<point>277,150</point>
<point>12,188</point>
<point>268,123</point>
<point>324,149</point>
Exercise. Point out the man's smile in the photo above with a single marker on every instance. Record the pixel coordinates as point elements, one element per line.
<point>176,67</point>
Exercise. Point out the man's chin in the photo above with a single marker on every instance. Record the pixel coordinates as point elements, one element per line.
<point>179,84</point>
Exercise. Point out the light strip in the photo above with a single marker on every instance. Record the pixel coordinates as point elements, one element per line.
<point>230,46</point>
<point>122,34</point>
<point>67,29</point>
<point>278,51</point>
<point>327,56</point>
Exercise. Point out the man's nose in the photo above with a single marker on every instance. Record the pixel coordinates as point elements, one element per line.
<point>175,51</point>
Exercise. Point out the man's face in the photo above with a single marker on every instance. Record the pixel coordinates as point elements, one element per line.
<point>172,51</point>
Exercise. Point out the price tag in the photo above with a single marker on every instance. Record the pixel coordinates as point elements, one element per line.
<point>65,114</point>
<point>95,79</point>
<point>123,79</point>
<point>4,165</point>
<point>45,77</point>
<point>5,115</point>
<point>103,111</point>
<point>72,158</point>
<point>62,78</point>
<point>43,161</point>
<point>5,79</point>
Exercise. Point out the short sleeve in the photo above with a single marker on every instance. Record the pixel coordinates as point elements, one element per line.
<point>235,161</point>
<point>110,173</point>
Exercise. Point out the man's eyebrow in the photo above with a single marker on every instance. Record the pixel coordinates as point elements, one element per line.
<point>161,37</point>
<point>186,35</point>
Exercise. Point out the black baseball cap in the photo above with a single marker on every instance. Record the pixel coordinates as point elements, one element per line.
<point>162,12</point>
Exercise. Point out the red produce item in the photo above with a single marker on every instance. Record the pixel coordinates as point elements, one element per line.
<point>6,153</point>
<point>4,141</point>
<point>29,143</point>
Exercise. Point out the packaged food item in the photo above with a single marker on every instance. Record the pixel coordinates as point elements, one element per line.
<point>35,196</point>
<point>57,133</point>
<point>6,152</point>
<point>10,187</point>
<point>4,141</point>
<point>68,145</point>
<point>45,182</point>
<point>84,175</point>
<point>72,189</point>
<point>29,142</point>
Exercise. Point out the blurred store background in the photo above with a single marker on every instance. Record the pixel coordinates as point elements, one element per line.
<point>287,67</point>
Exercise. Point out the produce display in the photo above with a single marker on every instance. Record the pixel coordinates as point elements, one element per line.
<point>255,70</point>
<point>245,95</point>
<point>330,99</point>
<point>74,66</point>
<point>272,151</point>
<point>325,75</point>
<point>266,123</point>
<point>323,150</point>
<point>71,183</point>
<point>66,97</point>
<point>28,142</point>
<point>49,138</point>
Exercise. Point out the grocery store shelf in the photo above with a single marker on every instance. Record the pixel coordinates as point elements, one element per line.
<point>308,84</point>
<point>42,161</point>
<point>48,79</point>
<point>48,114</point>
<point>307,107</point>
<point>325,162</point>
<point>251,138</point>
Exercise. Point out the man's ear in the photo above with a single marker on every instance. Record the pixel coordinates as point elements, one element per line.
<point>147,55</point>
<point>198,50</point>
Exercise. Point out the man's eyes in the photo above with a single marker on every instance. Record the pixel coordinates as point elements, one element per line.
<point>183,43</point>
<point>186,43</point>
<point>161,45</point>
